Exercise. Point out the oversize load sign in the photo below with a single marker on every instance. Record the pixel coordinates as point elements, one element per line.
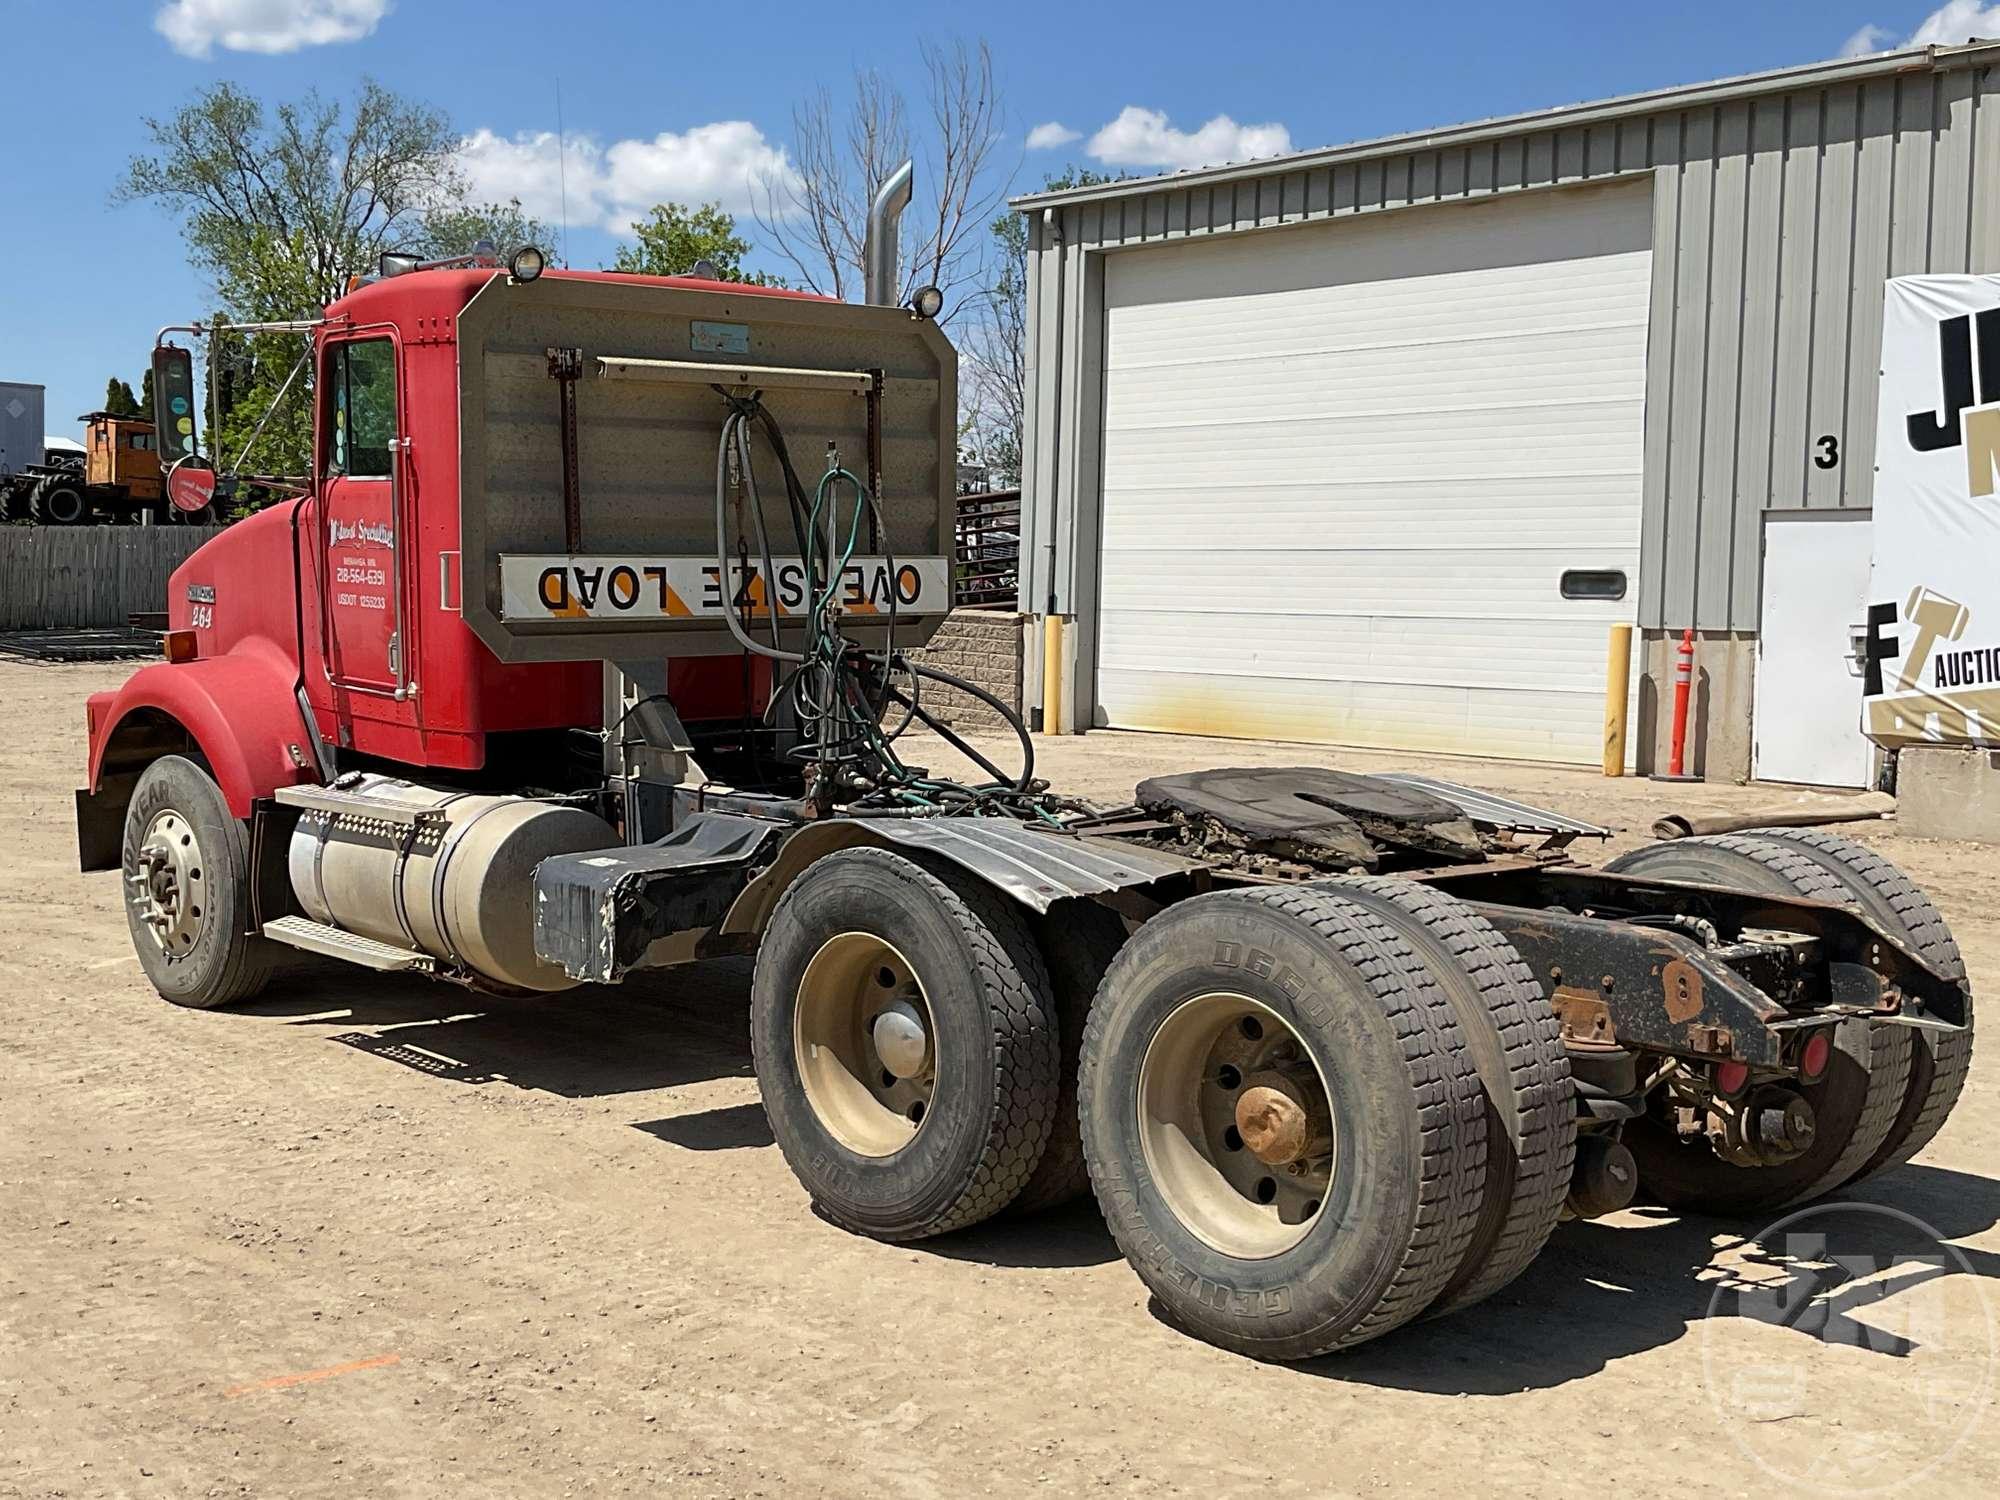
<point>1932,668</point>
<point>618,587</point>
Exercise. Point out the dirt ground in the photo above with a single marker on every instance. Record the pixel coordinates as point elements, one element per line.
<point>383,1237</point>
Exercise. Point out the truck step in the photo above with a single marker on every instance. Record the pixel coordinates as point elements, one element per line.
<point>357,807</point>
<point>314,937</point>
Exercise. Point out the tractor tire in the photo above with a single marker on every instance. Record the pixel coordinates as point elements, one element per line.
<point>1245,1034</point>
<point>1078,941</point>
<point>58,505</point>
<point>12,509</point>
<point>1939,1061</point>
<point>1855,1105</point>
<point>904,1038</point>
<point>187,890</point>
<point>1516,1044</point>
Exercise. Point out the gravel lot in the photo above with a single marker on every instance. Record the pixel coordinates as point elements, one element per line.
<point>383,1237</point>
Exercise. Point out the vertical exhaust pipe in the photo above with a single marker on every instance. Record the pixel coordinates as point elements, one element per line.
<point>880,256</point>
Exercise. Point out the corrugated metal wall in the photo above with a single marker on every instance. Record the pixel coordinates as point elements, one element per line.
<point>1780,206</point>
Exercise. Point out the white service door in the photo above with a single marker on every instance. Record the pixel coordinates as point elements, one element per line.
<point>1808,707</point>
<point>1346,467</point>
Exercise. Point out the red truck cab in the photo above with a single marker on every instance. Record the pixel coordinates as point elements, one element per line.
<point>334,620</point>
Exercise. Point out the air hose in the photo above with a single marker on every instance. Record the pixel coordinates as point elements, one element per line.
<point>839,690</point>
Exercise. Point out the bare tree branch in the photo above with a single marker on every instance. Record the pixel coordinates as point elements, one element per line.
<point>816,219</point>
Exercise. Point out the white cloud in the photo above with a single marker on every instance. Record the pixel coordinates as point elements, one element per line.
<point>728,162</point>
<point>1870,38</point>
<point>1959,21</point>
<point>198,27</point>
<point>1050,134</point>
<point>1951,23</point>
<point>1145,138</point>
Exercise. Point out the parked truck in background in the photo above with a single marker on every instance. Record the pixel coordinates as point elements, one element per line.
<point>587,652</point>
<point>116,478</point>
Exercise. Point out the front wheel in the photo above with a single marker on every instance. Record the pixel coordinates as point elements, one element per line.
<point>187,889</point>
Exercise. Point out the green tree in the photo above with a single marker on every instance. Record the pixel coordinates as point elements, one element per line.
<point>457,230</point>
<point>119,400</point>
<point>279,205</point>
<point>146,395</point>
<point>673,237</point>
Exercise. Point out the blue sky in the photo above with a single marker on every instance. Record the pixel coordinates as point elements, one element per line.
<point>682,100</point>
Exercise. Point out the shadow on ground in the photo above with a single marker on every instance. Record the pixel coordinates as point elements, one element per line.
<point>655,1031</point>
<point>1598,1293</point>
<point>1601,1292</point>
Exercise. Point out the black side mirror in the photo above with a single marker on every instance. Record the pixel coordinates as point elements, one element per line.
<point>175,406</point>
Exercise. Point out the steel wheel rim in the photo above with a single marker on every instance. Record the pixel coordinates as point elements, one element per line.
<point>1207,1068</point>
<point>168,887</point>
<point>865,1044</point>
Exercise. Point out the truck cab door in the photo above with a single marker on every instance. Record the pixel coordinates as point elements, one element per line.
<point>363,526</point>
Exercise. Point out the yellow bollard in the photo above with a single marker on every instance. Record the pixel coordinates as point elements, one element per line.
<point>1617,688</point>
<point>1052,665</point>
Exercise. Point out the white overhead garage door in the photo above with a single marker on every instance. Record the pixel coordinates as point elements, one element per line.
<point>1346,469</point>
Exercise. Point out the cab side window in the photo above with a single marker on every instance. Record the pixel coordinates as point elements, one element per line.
<point>360,408</point>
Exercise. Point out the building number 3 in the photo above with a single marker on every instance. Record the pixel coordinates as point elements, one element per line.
<point>1829,452</point>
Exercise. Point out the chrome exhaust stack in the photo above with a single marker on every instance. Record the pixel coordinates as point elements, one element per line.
<point>880,255</point>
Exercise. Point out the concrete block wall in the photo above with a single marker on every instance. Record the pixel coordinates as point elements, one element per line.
<point>982,646</point>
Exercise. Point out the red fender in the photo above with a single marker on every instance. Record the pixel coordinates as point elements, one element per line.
<point>239,709</point>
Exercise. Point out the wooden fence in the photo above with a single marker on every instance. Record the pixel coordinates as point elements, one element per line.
<point>68,576</point>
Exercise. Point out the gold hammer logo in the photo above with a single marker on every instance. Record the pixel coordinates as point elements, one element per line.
<point>1936,619</point>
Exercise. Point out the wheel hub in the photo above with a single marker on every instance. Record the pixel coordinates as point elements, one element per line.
<point>1236,1124</point>
<point>168,883</point>
<point>901,1040</point>
<point>1281,1115</point>
<point>862,1035</point>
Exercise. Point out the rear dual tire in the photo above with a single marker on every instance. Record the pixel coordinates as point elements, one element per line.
<point>1939,1061</point>
<point>1887,1090</point>
<point>904,1036</point>
<point>1311,989</point>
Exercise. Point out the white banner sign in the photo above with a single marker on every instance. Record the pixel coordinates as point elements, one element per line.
<point>1932,670</point>
<point>614,586</point>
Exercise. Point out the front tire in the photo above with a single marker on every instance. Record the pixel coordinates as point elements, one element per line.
<point>1245,1034</point>
<point>904,1038</point>
<point>187,890</point>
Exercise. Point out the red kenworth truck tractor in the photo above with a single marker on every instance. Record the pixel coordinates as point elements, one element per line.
<point>588,650</point>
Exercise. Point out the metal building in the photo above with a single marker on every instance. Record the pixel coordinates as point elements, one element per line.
<point>1370,445</point>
